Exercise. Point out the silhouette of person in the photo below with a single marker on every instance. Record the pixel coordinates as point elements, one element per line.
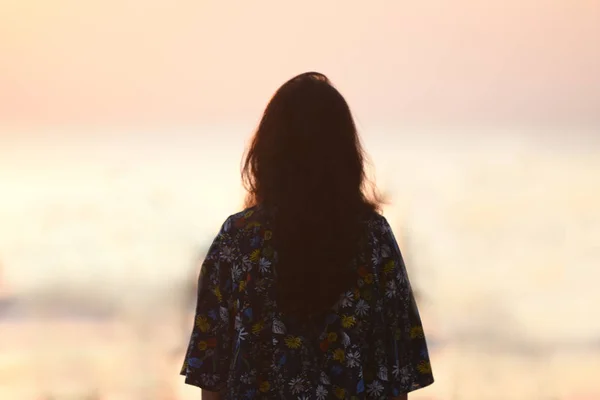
<point>304,294</point>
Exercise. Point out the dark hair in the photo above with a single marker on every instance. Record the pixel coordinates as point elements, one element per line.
<point>306,163</point>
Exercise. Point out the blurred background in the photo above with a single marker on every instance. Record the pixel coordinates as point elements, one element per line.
<point>122,127</point>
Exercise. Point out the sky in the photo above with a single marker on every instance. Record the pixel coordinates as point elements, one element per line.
<point>122,124</point>
<point>182,62</point>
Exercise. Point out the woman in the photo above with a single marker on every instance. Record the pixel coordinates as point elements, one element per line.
<point>304,295</point>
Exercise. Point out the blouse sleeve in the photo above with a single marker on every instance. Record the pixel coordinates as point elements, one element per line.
<point>407,354</point>
<point>206,362</point>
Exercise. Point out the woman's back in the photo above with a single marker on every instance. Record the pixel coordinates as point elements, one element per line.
<point>368,345</point>
<point>304,295</point>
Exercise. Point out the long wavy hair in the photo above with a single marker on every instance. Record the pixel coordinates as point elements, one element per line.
<point>306,163</point>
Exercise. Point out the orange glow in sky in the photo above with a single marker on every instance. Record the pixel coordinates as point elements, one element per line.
<point>184,61</point>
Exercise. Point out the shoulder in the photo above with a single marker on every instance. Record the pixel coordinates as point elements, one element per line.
<point>243,214</point>
<point>379,231</point>
<point>377,222</point>
<point>243,220</point>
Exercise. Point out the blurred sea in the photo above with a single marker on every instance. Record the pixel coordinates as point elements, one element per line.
<point>100,237</point>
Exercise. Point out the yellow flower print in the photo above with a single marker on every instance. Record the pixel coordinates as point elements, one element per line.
<point>416,332</point>
<point>248,214</point>
<point>242,286</point>
<point>202,323</point>
<point>332,336</point>
<point>253,224</point>
<point>268,235</point>
<point>348,321</point>
<point>293,342</point>
<point>202,345</point>
<point>339,392</point>
<point>368,278</point>
<point>356,293</point>
<point>217,292</point>
<point>424,367</point>
<point>255,255</point>
<point>264,386</point>
<point>339,355</point>
<point>257,327</point>
<point>389,266</point>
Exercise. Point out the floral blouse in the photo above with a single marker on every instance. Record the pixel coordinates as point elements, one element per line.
<point>370,345</point>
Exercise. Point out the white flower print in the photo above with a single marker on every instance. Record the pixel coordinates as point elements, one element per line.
<point>224,314</point>
<point>288,369</point>
<point>209,379</point>
<point>391,289</point>
<point>246,378</point>
<point>242,334</point>
<point>401,276</point>
<point>376,257</point>
<point>386,251</point>
<point>325,379</point>
<point>264,265</point>
<point>238,322</point>
<point>347,299</point>
<point>352,359</point>
<point>396,370</point>
<point>374,238</point>
<point>382,373</point>
<point>321,392</point>
<point>236,272</point>
<point>275,366</point>
<point>345,339</point>
<point>297,385</point>
<point>379,305</point>
<point>260,285</point>
<point>246,263</point>
<point>227,253</point>
<point>406,377</point>
<point>385,227</point>
<point>402,373</point>
<point>278,327</point>
<point>362,308</point>
<point>375,388</point>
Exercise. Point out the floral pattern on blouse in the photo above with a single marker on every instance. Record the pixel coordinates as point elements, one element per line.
<point>370,345</point>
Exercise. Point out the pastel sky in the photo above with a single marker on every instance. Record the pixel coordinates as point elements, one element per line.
<point>155,62</point>
<point>122,126</point>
